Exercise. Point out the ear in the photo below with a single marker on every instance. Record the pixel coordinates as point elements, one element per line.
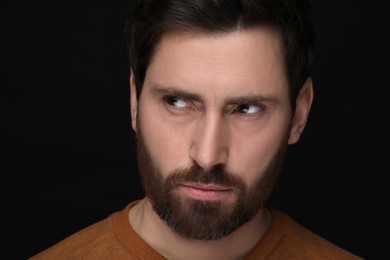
<point>133,102</point>
<point>302,109</point>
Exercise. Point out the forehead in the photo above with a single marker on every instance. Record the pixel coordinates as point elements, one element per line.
<point>249,60</point>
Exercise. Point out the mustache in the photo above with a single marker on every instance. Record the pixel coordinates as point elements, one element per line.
<point>216,175</point>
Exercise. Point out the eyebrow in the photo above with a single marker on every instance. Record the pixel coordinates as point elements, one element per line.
<point>169,90</point>
<point>251,100</point>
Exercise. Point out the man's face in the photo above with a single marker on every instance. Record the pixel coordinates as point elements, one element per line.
<point>212,123</point>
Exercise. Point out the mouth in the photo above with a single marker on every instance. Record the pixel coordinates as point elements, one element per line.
<point>205,192</point>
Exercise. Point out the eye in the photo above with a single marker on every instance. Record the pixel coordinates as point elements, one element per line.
<point>248,108</point>
<point>176,101</point>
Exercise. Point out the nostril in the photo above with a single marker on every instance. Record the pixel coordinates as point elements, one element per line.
<point>208,160</point>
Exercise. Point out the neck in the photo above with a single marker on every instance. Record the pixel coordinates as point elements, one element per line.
<point>148,225</point>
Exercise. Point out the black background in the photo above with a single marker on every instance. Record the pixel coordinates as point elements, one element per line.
<point>68,149</point>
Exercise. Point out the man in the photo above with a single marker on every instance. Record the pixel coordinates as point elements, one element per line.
<point>219,88</point>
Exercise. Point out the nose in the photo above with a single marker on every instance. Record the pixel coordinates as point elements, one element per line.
<point>209,145</point>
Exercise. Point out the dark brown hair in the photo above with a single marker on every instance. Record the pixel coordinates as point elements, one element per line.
<point>148,20</point>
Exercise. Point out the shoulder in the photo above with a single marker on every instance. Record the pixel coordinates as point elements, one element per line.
<point>299,241</point>
<point>97,241</point>
<point>286,239</point>
<point>81,243</point>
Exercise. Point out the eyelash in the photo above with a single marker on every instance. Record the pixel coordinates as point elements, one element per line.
<point>170,99</point>
<point>239,106</point>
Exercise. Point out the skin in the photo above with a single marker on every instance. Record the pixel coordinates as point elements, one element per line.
<point>214,99</point>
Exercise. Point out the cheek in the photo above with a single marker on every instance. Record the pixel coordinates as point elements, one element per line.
<point>250,158</point>
<point>251,154</point>
<point>164,142</point>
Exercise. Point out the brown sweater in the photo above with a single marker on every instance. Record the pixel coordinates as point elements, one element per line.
<point>114,238</point>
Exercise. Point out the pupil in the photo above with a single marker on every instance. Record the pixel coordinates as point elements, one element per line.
<point>172,100</point>
<point>244,108</point>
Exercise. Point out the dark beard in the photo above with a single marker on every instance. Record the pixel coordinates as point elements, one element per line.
<point>205,220</point>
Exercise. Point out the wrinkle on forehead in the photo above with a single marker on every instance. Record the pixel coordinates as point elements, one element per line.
<point>268,43</point>
<point>249,61</point>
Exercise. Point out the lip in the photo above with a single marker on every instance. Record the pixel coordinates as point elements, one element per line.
<point>205,192</point>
